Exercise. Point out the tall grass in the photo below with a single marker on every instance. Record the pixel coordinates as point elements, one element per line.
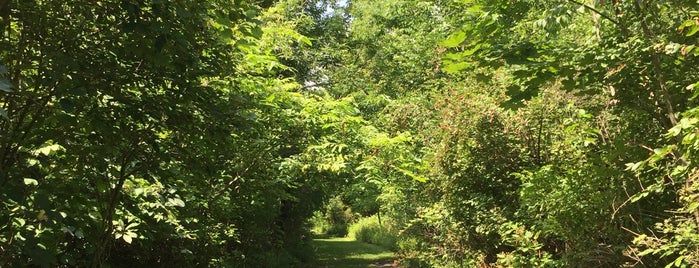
<point>369,230</point>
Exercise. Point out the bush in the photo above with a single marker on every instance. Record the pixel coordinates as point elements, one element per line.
<point>369,230</point>
<point>333,221</point>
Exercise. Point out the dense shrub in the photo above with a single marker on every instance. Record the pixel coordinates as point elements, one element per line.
<point>334,219</point>
<point>371,230</point>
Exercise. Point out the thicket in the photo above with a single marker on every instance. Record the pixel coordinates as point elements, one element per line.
<point>526,133</point>
<point>463,133</point>
<point>158,133</point>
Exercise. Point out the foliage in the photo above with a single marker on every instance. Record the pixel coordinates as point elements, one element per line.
<point>466,133</point>
<point>528,250</point>
<point>675,239</point>
<point>335,219</point>
<point>153,133</point>
<point>370,230</point>
<point>525,153</point>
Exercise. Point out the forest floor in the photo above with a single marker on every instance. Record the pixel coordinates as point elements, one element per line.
<point>345,252</point>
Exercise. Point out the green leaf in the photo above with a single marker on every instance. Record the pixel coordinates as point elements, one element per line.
<point>455,39</point>
<point>693,206</point>
<point>646,252</point>
<point>411,175</point>
<point>639,196</point>
<point>470,51</point>
<point>271,98</point>
<point>28,181</point>
<point>127,238</point>
<point>227,34</point>
<point>19,222</point>
<point>693,87</point>
<point>257,32</point>
<point>589,141</point>
<point>5,85</point>
<point>305,40</point>
<point>48,149</point>
<point>686,123</point>
<point>674,131</point>
<point>677,262</point>
<point>175,202</point>
<point>455,67</point>
<point>3,114</point>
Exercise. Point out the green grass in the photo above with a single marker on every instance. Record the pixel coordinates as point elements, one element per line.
<point>345,252</point>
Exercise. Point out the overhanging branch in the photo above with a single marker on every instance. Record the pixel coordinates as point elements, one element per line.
<point>596,11</point>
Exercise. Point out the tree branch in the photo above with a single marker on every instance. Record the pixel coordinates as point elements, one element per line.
<point>596,11</point>
<point>657,68</point>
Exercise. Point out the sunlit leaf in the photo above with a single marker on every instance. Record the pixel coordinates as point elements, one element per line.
<point>693,30</point>
<point>456,67</point>
<point>175,202</point>
<point>455,39</point>
<point>127,238</point>
<point>48,149</point>
<point>412,175</point>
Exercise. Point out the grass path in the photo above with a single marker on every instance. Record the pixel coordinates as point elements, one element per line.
<point>345,252</point>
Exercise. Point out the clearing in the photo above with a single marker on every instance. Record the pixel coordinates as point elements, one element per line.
<point>346,252</point>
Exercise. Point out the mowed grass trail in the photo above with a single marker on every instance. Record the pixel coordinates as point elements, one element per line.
<point>345,252</point>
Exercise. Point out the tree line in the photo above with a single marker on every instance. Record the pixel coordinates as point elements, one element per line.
<point>461,133</point>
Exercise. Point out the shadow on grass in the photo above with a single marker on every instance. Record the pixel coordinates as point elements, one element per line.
<point>345,252</point>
